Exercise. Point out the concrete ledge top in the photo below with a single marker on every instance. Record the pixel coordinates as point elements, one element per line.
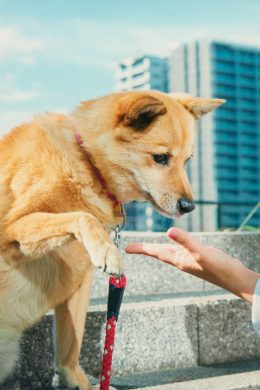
<point>147,276</point>
<point>243,381</point>
<point>180,301</point>
<point>159,234</point>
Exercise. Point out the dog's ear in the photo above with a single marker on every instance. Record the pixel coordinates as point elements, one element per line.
<point>201,106</point>
<point>140,113</point>
<point>198,106</point>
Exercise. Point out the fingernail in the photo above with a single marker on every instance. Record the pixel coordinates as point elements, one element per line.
<point>172,233</point>
<point>126,249</point>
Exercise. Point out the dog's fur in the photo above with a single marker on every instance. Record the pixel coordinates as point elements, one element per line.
<point>55,217</point>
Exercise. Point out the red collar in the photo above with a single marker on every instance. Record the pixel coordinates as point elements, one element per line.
<point>117,206</point>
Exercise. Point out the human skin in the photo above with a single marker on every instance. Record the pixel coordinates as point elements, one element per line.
<point>203,261</point>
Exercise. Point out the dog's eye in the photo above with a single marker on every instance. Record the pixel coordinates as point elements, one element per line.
<point>162,159</point>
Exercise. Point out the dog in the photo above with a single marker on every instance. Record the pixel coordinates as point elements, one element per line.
<point>60,176</point>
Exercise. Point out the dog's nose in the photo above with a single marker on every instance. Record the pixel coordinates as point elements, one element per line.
<point>185,205</point>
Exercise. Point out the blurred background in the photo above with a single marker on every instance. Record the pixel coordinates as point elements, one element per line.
<point>56,53</point>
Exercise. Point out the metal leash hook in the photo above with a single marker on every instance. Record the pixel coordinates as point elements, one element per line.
<point>115,296</point>
<point>117,237</point>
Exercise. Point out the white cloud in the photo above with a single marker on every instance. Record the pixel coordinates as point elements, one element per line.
<point>9,92</point>
<point>10,119</point>
<point>84,42</point>
<point>81,42</point>
<point>15,46</point>
<point>92,43</point>
<point>88,44</point>
<point>17,95</point>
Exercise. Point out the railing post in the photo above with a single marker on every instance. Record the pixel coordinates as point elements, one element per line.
<point>219,215</point>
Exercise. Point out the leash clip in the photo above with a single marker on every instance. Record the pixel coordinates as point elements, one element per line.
<point>117,237</point>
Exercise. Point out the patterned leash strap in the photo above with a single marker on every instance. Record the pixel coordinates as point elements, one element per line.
<point>115,296</point>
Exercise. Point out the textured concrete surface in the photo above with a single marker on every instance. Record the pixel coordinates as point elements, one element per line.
<point>34,367</point>
<point>156,336</point>
<point>157,378</point>
<point>242,381</point>
<point>150,336</point>
<point>148,276</point>
<point>225,332</point>
<point>153,335</point>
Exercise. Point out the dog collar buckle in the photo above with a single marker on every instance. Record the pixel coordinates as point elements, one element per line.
<point>117,237</point>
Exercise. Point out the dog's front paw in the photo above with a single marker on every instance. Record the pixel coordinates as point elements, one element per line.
<point>65,378</point>
<point>102,251</point>
<point>109,260</point>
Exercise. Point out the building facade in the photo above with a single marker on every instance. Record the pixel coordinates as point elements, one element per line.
<point>226,166</point>
<point>143,72</point>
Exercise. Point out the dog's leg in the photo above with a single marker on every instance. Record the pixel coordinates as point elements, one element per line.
<point>9,346</point>
<point>69,329</point>
<point>38,233</point>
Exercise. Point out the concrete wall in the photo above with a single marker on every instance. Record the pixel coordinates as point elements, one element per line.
<point>168,320</point>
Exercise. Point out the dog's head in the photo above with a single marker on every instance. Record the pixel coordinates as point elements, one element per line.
<point>141,143</point>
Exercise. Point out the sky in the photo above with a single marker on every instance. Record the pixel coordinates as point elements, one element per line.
<point>56,53</point>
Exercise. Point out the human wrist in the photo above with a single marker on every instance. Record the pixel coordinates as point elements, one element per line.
<point>242,281</point>
<point>229,273</point>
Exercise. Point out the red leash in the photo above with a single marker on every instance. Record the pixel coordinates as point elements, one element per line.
<point>116,285</point>
<point>116,291</point>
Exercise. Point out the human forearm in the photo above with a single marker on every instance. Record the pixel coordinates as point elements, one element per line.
<point>231,275</point>
<point>243,282</point>
<point>208,263</point>
<point>218,268</point>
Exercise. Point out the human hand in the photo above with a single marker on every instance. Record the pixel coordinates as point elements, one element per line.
<point>205,262</point>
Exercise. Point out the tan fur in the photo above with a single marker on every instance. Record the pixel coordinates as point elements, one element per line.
<point>55,218</point>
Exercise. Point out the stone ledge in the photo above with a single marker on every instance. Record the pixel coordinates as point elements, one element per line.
<point>147,276</point>
<point>162,333</point>
<point>243,381</point>
<point>167,334</point>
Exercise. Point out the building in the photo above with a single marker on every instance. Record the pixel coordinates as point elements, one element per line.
<point>226,166</point>
<point>143,72</point>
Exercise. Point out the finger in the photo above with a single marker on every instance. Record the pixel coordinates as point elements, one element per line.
<point>144,249</point>
<point>183,238</point>
<point>167,253</point>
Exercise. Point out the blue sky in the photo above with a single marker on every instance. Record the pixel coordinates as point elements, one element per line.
<point>55,53</point>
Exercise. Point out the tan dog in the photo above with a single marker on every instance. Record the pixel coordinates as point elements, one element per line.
<point>55,216</point>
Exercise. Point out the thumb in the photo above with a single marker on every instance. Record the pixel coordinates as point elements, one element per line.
<point>183,238</point>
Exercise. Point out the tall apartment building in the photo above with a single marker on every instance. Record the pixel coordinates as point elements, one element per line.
<point>226,166</point>
<point>143,72</point>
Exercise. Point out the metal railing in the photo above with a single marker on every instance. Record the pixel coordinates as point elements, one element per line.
<point>253,209</point>
<point>222,217</point>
